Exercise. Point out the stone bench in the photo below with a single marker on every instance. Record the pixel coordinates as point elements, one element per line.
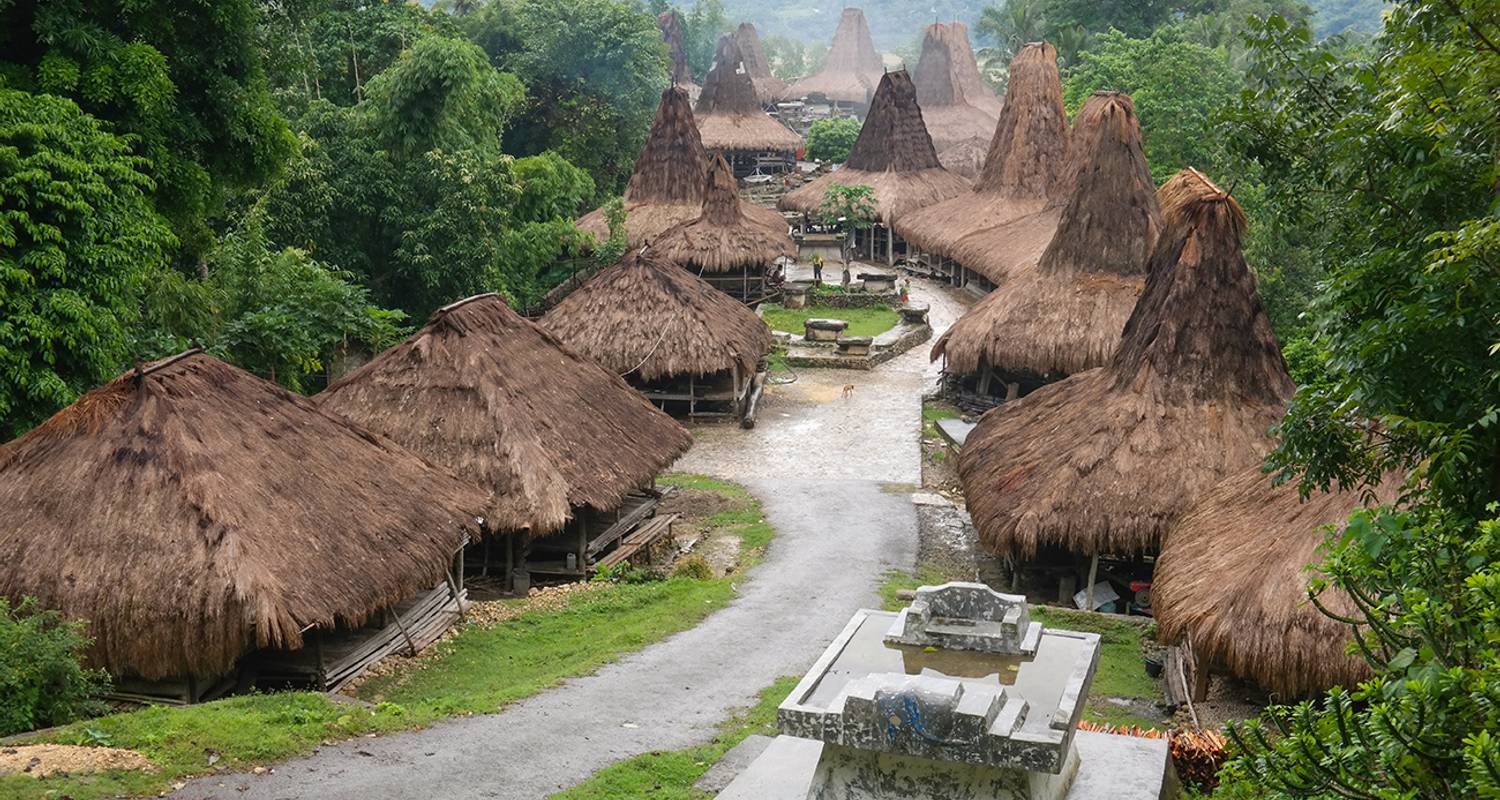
<point>823,330</point>
<point>794,295</point>
<point>914,314</point>
<point>855,345</point>
<point>878,281</point>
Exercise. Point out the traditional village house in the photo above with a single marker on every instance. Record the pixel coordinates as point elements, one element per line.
<point>687,346</point>
<point>1104,461</point>
<point>1021,170</point>
<point>215,530</point>
<point>1066,315</point>
<point>852,71</point>
<point>768,87</point>
<point>956,105</point>
<point>670,24</point>
<point>567,449</point>
<point>893,156</point>
<point>732,124</point>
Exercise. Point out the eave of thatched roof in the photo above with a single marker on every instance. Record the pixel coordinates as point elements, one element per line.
<point>506,406</point>
<point>649,317</point>
<point>1107,459</point>
<point>768,88</point>
<point>728,114</point>
<point>724,237</point>
<point>1022,167</point>
<point>946,76</point>
<point>1066,315</point>
<point>893,155</point>
<point>853,68</point>
<point>1232,579</point>
<point>193,512</point>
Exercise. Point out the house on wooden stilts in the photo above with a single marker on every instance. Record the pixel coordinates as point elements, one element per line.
<point>733,124</point>
<point>851,72</point>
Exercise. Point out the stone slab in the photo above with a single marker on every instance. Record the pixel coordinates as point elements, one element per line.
<point>733,763</point>
<point>955,430</point>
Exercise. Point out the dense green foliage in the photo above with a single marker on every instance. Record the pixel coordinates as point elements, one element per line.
<point>832,139</point>
<point>42,680</point>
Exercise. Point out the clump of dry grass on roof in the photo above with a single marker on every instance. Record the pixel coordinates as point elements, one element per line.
<point>649,317</point>
<point>853,68</point>
<point>768,87</point>
<point>1067,315</point>
<point>508,407</point>
<point>666,187</point>
<point>893,155</point>
<point>1022,166</point>
<point>943,91</point>
<point>1106,460</point>
<point>724,238</point>
<point>192,512</point>
<point>729,116</point>
<point>1232,579</point>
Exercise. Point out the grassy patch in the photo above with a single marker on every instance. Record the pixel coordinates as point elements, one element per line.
<point>932,412</point>
<point>670,775</point>
<point>871,321</point>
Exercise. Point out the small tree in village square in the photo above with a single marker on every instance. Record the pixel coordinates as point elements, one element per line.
<point>850,209</point>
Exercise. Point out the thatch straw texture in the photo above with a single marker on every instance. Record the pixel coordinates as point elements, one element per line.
<point>1066,315</point>
<point>724,238</point>
<point>1022,167</point>
<point>666,187</point>
<point>1106,460</point>
<point>678,70</point>
<point>729,116</point>
<point>195,512</point>
<point>852,71</point>
<point>965,158</point>
<point>893,155</point>
<point>506,406</point>
<point>1232,577</point>
<point>649,317</point>
<point>768,87</point>
<point>945,77</point>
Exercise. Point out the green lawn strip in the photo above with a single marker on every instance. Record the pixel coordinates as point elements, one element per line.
<point>871,321</point>
<point>477,671</point>
<point>670,775</point>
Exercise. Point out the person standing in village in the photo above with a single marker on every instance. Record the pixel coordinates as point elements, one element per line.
<point>817,265</point>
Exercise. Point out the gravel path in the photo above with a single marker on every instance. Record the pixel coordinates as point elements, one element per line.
<point>834,477</point>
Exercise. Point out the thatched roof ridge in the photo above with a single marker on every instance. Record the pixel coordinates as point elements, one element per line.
<point>508,407</point>
<point>853,68</point>
<point>965,158</point>
<point>1106,460</point>
<point>724,237</point>
<point>768,87</point>
<point>1022,167</point>
<point>647,316</point>
<point>1066,315</point>
<point>1232,578</point>
<point>728,114</point>
<point>944,93</point>
<point>670,24</point>
<point>176,508</point>
<point>893,155</point>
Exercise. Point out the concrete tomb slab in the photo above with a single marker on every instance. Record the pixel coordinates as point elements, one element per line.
<point>823,330</point>
<point>855,345</point>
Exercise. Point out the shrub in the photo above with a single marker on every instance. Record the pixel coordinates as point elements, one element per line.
<point>832,139</point>
<point>42,678</point>
<point>695,567</point>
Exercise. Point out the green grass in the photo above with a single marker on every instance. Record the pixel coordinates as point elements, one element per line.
<point>934,411</point>
<point>871,321</point>
<point>670,775</point>
<point>480,670</point>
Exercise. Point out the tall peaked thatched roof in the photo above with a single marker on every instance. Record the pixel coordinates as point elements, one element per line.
<point>1066,316</point>
<point>1022,166</point>
<point>956,104</point>
<point>893,155</point>
<point>649,317</point>
<point>1106,460</point>
<point>667,185</point>
<point>729,116</point>
<point>965,158</point>
<point>1232,578</point>
<point>192,512</point>
<point>768,87</point>
<point>678,71</point>
<point>724,237</point>
<point>852,71</point>
<point>506,406</point>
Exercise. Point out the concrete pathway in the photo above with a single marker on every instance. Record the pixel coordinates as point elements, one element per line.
<point>834,475</point>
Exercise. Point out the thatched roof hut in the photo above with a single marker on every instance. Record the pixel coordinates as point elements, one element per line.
<point>1106,460</point>
<point>956,104</point>
<point>852,71</point>
<point>192,513</point>
<point>1232,578</point>
<point>729,116</point>
<point>507,407</point>
<point>666,187</point>
<point>1066,315</point>
<point>649,317</point>
<point>678,71</point>
<point>1021,169</point>
<point>966,158</point>
<point>768,87</point>
<point>893,155</point>
<point>724,238</point>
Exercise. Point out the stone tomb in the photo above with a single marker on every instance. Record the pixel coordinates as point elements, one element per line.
<point>914,314</point>
<point>855,345</point>
<point>959,696</point>
<point>794,295</point>
<point>878,282</point>
<point>823,330</point>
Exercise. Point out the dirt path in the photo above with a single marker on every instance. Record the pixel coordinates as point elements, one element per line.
<point>834,477</point>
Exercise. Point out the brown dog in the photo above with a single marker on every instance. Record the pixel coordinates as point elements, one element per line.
<point>848,390</point>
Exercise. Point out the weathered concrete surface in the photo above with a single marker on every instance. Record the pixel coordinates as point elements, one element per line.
<point>732,763</point>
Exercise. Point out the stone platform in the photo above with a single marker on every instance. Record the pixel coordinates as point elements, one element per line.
<point>883,348</point>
